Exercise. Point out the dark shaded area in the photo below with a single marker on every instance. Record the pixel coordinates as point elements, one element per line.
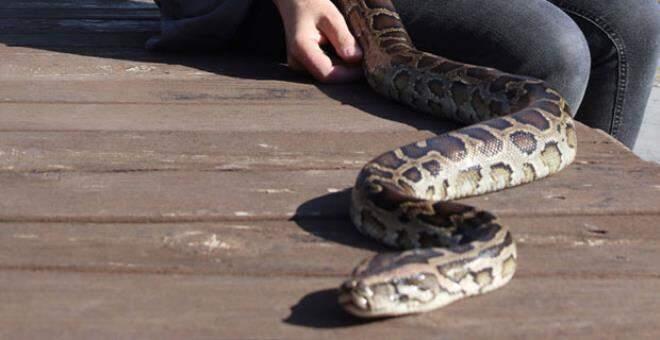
<point>327,217</point>
<point>321,310</point>
<point>97,31</point>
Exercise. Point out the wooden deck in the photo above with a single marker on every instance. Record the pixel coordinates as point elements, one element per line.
<point>169,196</point>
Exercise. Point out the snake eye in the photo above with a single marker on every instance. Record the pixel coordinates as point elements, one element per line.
<point>416,280</point>
<point>420,277</point>
<point>423,281</point>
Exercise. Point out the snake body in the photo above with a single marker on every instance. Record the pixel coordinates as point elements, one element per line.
<point>521,131</point>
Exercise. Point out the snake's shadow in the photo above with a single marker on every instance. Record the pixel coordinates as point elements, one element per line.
<point>327,217</point>
<point>320,309</point>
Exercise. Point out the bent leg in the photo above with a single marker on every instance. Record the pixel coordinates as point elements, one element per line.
<point>528,37</point>
<point>624,39</point>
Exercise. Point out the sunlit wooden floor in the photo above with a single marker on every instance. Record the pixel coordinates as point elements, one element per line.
<point>204,196</point>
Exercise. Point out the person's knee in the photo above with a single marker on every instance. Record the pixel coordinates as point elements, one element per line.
<point>642,26</point>
<point>566,63</point>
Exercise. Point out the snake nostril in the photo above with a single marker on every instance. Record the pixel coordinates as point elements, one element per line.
<point>348,285</point>
<point>363,289</point>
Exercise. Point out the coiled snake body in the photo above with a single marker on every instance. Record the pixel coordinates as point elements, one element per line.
<point>401,197</point>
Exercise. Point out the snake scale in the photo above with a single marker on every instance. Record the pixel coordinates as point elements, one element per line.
<point>521,131</point>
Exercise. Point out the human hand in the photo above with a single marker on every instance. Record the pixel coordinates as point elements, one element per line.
<point>310,24</point>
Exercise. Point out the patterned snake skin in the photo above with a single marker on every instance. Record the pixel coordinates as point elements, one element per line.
<point>522,131</point>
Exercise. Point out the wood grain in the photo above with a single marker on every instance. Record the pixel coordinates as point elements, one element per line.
<point>221,194</point>
<point>153,195</point>
<point>607,247</point>
<point>109,306</point>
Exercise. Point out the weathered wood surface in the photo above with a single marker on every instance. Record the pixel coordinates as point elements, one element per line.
<point>95,305</point>
<point>197,196</point>
<point>595,246</point>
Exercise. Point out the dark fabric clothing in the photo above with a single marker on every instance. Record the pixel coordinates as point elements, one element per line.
<point>600,54</point>
<point>199,24</point>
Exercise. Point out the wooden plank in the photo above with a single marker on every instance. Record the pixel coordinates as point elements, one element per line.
<point>592,185</point>
<point>162,306</point>
<point>22,63</point>
<point>593,246</point>
<point>73,4</point>
<point>33,131</point>
<point>207,151</point>
<point>182,92</point>
<point>233,82</point>
<point>590,188</point>
<point>25,63</point>
<point>276,149</point>
<point>294,117</point>
<point>68,41</point>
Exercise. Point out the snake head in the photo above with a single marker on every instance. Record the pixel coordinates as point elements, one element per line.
<point>397,295</point>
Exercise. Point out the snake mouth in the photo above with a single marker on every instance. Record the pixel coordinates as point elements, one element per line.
<point>361,300</point>
<point>354,297</point>
<point>358,303</point>
<point>394,297</point>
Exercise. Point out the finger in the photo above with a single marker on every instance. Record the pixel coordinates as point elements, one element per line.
<point>312,57</point>
<point>334,27</point>
<point>345,74</point>
<point>337,73</point>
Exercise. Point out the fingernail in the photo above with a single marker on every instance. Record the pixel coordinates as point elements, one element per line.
<point>353,51</point>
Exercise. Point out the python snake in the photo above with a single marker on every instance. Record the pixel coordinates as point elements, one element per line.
<point>521,131</point>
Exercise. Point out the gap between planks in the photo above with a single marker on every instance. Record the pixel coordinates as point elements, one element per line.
<point>595,247</point>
